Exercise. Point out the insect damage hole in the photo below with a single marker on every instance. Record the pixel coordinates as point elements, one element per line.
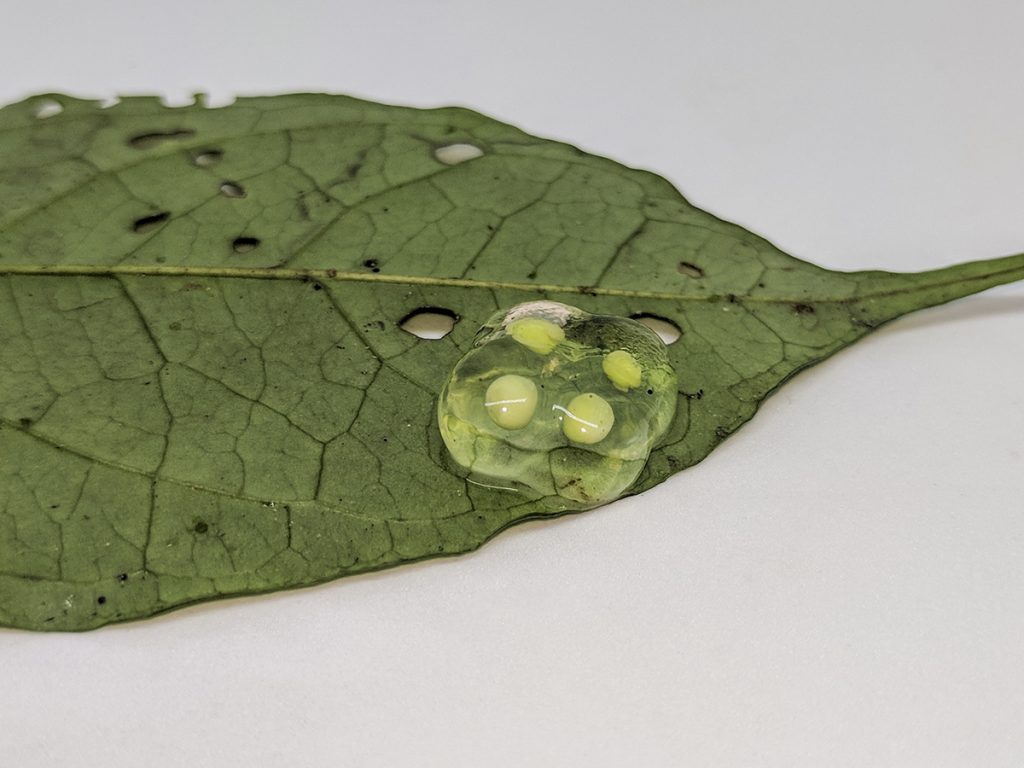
<point>148,223</point>
<point>47,108</point>
<point>206,158</point>
<point>245,244</point>
<point>429,322</point>
<point>667,331</point>
<point>153,138</point>
<point>690,270</point>
<point>453,154</point>
<point>231,189</point>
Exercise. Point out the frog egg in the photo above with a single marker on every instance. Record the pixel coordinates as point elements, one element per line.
<point>588,419</point>
<point>622,370</point>
<point>536,334</point>
<point>511,401</point>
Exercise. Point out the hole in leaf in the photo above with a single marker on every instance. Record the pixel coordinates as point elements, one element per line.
<point>207,157</point>
<point>690,270</point>
<point>245,244</point>
<point>429,322</point>
<point>151,222</point>
<point>152,139</point>
<point>231,189</point>
<point>667,331</point>
<point>201,527</point>
<point>48,108</point>
<point>453,154</point>
<point>372,265</point>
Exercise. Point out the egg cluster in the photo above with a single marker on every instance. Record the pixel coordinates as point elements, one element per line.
<point>552,400</point>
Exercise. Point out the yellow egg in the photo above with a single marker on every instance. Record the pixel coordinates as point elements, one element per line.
<point>622,369</point>
<point>511,401</point>
<point>536,334</point>
<point>588,419</point>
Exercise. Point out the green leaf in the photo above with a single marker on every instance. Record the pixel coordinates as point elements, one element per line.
<point>204,386</point>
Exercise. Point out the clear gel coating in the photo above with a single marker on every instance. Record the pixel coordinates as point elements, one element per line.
<point>554,401</point>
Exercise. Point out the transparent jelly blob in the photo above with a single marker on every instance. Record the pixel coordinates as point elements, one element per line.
<point>554,401</point>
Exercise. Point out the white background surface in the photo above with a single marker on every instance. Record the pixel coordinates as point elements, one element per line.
<point>840,584</point>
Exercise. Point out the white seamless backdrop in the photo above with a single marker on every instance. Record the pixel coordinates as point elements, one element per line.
<point>839,584</point>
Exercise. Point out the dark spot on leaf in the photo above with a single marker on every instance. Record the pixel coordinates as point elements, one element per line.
<point>332,272</point>
<point>532,275</point>
<point>667,330</point>
<point>690,270</point>
<point>372,265</point>
<point>650,391</point>
<point>101,599</point>
<point>232,189</point>
<point>721,433</point>
<point>803,309</point>
<point>201,527</point>
<point>587,290</point>
<point>154,138</point>
<point>429,322</point>
<point>731,298</point>
<point>207,157</point>
<point>150,222</point>
<point>24,422</point>
<point>353,170</point>
<point>245,244</point>
<point>693,395</point>
<point>175,326</point>
<point>122,577</point>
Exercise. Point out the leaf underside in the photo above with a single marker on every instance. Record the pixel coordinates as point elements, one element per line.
<point>204,388</point>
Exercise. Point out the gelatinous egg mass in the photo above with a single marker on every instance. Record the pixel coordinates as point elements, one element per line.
<point>555,402</point>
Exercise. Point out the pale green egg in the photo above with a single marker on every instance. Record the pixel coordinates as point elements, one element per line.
<point>587,419</point>
<point>622,369</point>
<point>536,334</point>
<point>511,401</point>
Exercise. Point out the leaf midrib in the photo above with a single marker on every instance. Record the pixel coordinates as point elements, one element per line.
<point>946,276</point>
